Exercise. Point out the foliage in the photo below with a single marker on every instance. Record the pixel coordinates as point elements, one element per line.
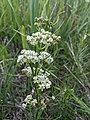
<point>70,71</point>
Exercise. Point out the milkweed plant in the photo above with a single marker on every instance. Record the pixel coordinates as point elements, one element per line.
<point>36,62</point>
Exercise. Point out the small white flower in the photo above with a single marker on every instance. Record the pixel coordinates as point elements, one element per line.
<point>24,105</point>
<point>43,104</point>
<point>28,37</point>
<point>28,98</point>
<point>41,87</point>
<point>27,71</point>
<point>49,60</point>
<point>31,39</point>
<point>53,97</point>
<point>85,36</point>
<point>23,51</point>
<point>20,58</point>
<point>33,102</point>
<point>42,30</point>
<point>50,40</point>
<point>48,86</point>
<point>33,91</point>
<point>41,71</point>
<point>59,37</point>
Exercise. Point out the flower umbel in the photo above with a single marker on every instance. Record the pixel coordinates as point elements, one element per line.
<point>42,37</point>
<point>42,81</point>
<point>29,101</point>
<point>45,56</point>
<point>28,56</point>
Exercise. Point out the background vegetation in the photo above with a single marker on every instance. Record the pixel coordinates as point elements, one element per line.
<point>70,19</point>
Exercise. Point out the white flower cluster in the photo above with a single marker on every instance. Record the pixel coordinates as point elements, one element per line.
<point>30,56</point>
<point>27,71</point>
<point>44,101</point>
<point>42,81</point>
<point>33,102</point>
<point>29,100</point>
<point>43,37</point>
<point>46,57</point>
<point>43,104</point>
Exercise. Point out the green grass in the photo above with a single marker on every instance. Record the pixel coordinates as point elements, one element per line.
<point>71,69</point>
